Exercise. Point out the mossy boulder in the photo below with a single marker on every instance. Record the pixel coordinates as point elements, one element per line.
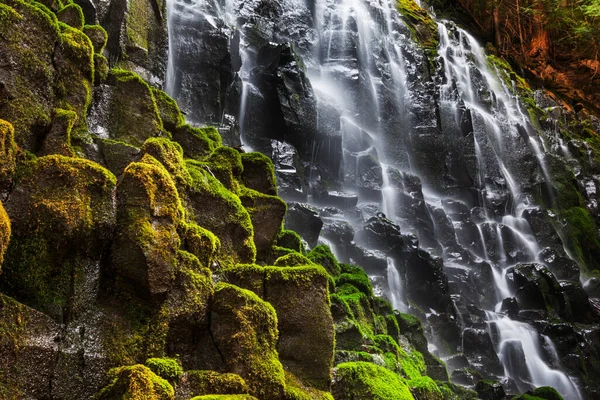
<point>361,380</point>
<point>166,368</point>
<point>259,173</point>
<point>225,164</point>
<point>170,155</point>
<point>169,110</point>
<point>306,334</point>
<point>144,253</point>
<point>244,328</point>
<point>136,382</point>
<point>215,208</point>
<point>290,240</point>
<point>322,255</point>
<point>130,114</point>
<point>247,276</point>
<point>58,140</point>
<point>49,65</point>
<point>355,276</point>
<point>72,15</point>
<point>292,259</point>
<point>425,388</point>
<point>97,35</point>
<point>185,313</point>
<point>101,69</point>
<point>57,194</point>
<point>8,154</point>
<point>490,390</point>
<point>197,143</point>
<point>201,242</point>
<point>266,213</point>
<point>118,155</point>
<point>420,23</point>
<point>296,390</point>
<point>200,383</point>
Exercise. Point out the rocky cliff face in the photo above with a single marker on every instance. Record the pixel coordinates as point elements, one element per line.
<point>143,255</point>
<point>142,258</point>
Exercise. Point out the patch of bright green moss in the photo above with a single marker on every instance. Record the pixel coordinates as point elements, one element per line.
<point>217,209</point>
<point>356,277</point>
<point>292,260</point>
<point>425,388</point>
<point>166,368</point>
<point>170,154</point>
<point>197,143</point>
<point>322,255</point>
<point>422,26</point>
<point>290,240</point>
<point>200,242</point>
<point>259,173</point>
<point>212,382</point>
<point>547,393</point>
<point>225,163</point>
<point>296,390</point>
<point>368,381</point>
<point>168,109</point>
<point>136,382</point>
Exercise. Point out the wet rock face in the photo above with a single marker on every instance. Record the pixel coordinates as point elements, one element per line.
<point>305,220</point>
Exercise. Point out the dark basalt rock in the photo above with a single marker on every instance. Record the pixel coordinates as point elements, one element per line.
<point>479,349</point>
<point>380,233</point>
<point>305,220</point>
<point>536,288</point>
<point>510,306</point>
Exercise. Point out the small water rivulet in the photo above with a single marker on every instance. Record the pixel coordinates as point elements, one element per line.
<point>423,173</point>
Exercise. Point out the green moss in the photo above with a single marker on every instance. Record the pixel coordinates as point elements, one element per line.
<point>100,69</point>
<point>8,152</point>
<point>72,15</point>
<point>139,20</point>
<point>169,110</point>
<point>215,208</point>
<point>422,26</point>
<point>136,382</point>
<point>212,382</point>
<point>39,265</point>
<point>97,35</point>
<point>197,143</point>
<point>247,276</point>
<point>133,115</point>
<point>58,140</point>
<point>259,173</point>
<point>166,368</point>
<point>547,393</point>
<point>158,187</point>
<point>368,381</point>
<point>245,332</point>
<point>290,240</point>
<point>583,236</point>
<point>200,242</point>
<point>425,388</point>
<point>451,391</point>
<point>293,260</point>
<point>322,255</point>
<point>356,277</point>
<point>225,163</point>
<point>170,154</point>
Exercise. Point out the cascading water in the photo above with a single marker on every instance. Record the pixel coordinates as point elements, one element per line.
<point>451,166</point>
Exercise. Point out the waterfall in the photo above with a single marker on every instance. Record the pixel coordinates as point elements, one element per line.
<point>452,165</point>
<point>395,286</point>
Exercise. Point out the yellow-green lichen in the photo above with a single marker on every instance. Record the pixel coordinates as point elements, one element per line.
<point>136,382</point>
<point>212,382</point>
<point>4,233</point>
